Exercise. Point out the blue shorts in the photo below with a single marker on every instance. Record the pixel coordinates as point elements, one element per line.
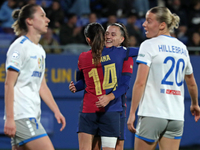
<point>122,135</point>
<point>101,123</point>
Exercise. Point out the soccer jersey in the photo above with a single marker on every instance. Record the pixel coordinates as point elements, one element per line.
<point>102,79</point>
<point>28,59</point>
<point>168,62</point>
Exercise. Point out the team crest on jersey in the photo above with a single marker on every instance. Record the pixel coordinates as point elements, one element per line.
<point>41,62</point>
<point>15,55</point>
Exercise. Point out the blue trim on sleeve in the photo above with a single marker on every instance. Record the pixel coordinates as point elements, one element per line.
<point>31,139</point>
<point>145,139</point>
<point>24,39</point>
<point>142,62</point>
<point>13,68</point>
<point>177,137</point>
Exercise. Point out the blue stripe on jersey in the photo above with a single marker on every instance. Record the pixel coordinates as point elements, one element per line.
<point>31,139</point>
<point>141,62</point>
<point>24,39</point>
<point>11,67</point>
<point>145,139</point>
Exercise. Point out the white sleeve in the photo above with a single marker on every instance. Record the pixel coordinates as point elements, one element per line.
<point>188,69</point>
<point>145,53</point>
<point>15,57</point>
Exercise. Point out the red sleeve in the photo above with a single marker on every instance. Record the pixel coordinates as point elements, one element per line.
<point>128,66</point>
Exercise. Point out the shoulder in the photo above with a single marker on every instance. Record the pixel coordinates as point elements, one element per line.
<point>85,54</point>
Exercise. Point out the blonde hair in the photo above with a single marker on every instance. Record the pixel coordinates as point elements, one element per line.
<point>163,14</point>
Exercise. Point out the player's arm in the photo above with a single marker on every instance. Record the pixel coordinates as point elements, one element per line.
<point>123,84</point>
<point>80,84</point>
<point>193,90</point>
<point>11,78</point>
<point>47,97</point>
<point>138,90</point>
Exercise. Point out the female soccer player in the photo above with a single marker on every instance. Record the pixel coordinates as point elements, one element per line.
<point>102,68</point>
<point>25,82</point>
<point>164,63</point>
<point>116,35</point>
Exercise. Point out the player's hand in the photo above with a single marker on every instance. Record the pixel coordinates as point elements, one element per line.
<point>60,119</point>
<point>103,101</point>
<point>9,127</point>
<point>72,88</point>
<point>130,123</point>
<point>195,110</point>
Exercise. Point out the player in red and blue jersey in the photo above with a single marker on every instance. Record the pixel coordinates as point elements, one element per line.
<point>123,84</point>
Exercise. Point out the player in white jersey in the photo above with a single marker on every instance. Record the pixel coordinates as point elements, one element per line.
<point>164,63</point>
<point>25,82</point>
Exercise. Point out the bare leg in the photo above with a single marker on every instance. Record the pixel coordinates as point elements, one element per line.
<point>43,143</point>
<point>96,145</point>
<point>166,144</point>
<point>143,145</point>
<point>120,145</point>
<point>85,141</point>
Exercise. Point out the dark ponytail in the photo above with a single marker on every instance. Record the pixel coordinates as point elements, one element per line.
<point>95,32</point>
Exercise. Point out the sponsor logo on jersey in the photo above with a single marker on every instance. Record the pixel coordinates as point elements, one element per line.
<point>34,57</point>
<point>15,55</point>
<point>36,74</point>
<point>172,92</point>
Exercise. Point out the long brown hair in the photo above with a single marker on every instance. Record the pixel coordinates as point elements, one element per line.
<point>95,32</point>
<point>20,15</point>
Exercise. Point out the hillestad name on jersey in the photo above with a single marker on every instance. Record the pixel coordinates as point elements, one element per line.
<point>172,92</point>
<point>172,49</point>
<point>103,59</point>
<point>36,74</point>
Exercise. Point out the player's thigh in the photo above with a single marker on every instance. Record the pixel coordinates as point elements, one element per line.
<point>167,143</point>
<point>85,141</point>
<point>27,130</point>
<point>120,145</point>
<point>43,143</point>
<point>144,145</point>
<point>96,144</point>
<point>172,136</point>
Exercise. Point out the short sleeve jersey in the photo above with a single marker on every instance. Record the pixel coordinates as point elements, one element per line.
<point>168,62</point>
<point>102,79</point>
<point>28,59</point>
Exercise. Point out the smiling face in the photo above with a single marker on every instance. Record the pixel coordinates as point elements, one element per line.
<point>151,25</point>
<point>39,21</point>
<point>113,36</point>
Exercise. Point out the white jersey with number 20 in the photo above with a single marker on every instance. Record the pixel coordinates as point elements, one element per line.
<point>168,62</point>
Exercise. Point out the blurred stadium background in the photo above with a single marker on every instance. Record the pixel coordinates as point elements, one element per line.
<point>62,56</point>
